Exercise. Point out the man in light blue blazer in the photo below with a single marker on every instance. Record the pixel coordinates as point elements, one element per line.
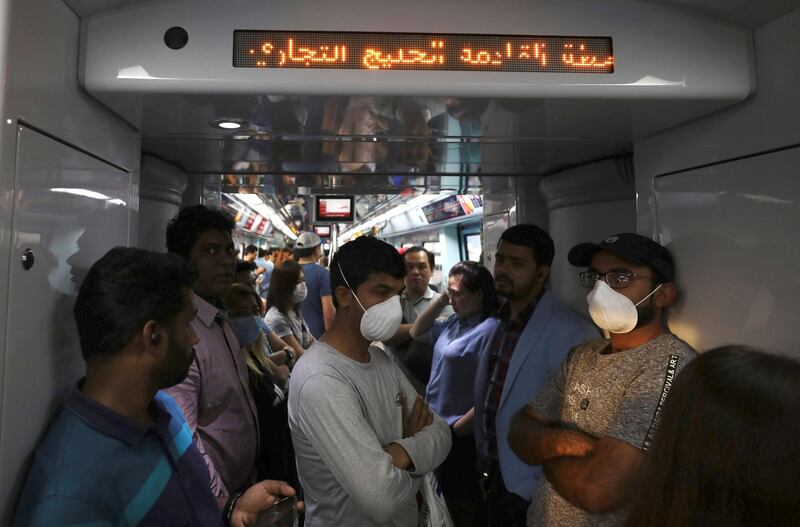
<point>534,336</point>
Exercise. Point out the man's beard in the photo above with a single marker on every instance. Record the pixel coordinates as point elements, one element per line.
<point>646,314</point>
<point>177,369</point>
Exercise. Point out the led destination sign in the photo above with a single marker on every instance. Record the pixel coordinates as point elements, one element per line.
<point>421,51</point>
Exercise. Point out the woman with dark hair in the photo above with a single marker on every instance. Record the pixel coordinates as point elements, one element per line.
<point>457,343</point>
<point>287,289</point>
<point>267,384</point>
<point>726,450</point>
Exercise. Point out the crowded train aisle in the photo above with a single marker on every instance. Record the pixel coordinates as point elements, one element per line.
<point>268,389</point>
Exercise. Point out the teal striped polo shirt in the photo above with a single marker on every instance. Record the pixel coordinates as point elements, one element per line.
<point>97,468</point>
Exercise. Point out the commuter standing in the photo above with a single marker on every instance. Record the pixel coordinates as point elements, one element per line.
<point>318,307</point>
<point>250,253</point>
<point>120,451</point>
<point>535,334</point>
<point>287,290</point>
<point>264,271</point>
<point>590,426</point>
<point>267,380</point>
<point>361,434</point>
<point>245,273</point>
<point>415,356</point>
<point>457,343</point>
<point>214,396</point>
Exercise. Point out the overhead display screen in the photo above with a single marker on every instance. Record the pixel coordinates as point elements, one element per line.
<point>421,51</point>
<point>334,208</point>
<point>323,231</point>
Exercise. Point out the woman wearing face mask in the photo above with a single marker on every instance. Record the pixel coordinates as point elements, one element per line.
<point>457,343</point>
<point>287,289</point>
<point>267,383</point>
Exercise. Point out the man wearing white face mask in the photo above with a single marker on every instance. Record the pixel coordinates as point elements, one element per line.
<point>361,434</point>
<point>593,421</point>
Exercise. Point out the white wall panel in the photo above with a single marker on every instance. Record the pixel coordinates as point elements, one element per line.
<point>733,230</point>
<point>765,121</point>
<point>39,41</point>
<point>70,208</point>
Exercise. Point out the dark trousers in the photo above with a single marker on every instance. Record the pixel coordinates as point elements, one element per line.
<point>501,507</point>
<point>459,482</point>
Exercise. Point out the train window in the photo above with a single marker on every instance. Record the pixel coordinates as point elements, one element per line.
<point>470,245</point>
<point>473,247</point>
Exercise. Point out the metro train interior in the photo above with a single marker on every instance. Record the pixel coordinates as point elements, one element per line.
<point>676,119</point>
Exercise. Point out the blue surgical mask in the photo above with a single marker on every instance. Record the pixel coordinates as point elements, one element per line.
<point>247,329</point>
<point>262,324</point>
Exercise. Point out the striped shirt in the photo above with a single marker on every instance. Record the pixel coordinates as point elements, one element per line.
<point>98,468</point>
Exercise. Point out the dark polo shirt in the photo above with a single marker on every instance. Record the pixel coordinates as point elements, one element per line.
<point>98,468</point>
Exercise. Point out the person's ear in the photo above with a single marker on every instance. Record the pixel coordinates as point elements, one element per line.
<point>543,273</point>
<point>666,295</point>
<point>343,296</point>
<point>153,337</point>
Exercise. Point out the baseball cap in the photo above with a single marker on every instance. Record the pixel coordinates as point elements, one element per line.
<point>306,240</point>
<point>631,247</point>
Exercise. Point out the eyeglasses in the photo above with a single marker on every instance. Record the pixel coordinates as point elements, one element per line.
<point>615,279</point>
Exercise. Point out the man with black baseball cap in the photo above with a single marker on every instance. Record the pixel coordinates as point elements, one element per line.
<point>591,424</point>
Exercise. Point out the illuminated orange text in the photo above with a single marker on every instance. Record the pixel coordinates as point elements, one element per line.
<point>417,51</point>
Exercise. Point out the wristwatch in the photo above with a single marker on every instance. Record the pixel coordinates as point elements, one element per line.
<point>289,355</point>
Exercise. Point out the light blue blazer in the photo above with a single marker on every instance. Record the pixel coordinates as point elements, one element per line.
<point>551,332</point>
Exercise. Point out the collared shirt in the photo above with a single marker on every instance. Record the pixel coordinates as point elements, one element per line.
<point>457,345</point>
<point>415,356</point>
<point>216,401</point>
<point>503,345</point>
<point>97,467</point>
<point>414,308</point>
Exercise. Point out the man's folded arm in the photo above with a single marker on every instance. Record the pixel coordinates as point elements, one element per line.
<point>600,482</point>
<point>330,416</point>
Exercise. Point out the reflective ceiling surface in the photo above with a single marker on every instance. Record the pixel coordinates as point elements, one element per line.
<point>297,138</point>
<point>299,145</point>
<point>745,13</point>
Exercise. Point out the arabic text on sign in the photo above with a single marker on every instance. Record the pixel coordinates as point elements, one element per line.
<point>415,51</point>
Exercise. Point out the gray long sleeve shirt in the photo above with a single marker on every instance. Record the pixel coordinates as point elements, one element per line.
<point>342,413</point>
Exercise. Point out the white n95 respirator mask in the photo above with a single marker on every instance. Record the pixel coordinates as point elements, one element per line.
<point>300,292</point>
<point>381,321</point>
<point>612,311</point>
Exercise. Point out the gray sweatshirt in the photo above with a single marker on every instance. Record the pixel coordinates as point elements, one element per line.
<point>341,414</point>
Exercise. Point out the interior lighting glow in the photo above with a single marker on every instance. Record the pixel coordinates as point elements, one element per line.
<point>86,193</point>
<point>229,125</point>
<point>415,202</point>
<point>255,202</point>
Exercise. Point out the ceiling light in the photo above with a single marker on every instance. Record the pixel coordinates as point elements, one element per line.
<point>228,124</point>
